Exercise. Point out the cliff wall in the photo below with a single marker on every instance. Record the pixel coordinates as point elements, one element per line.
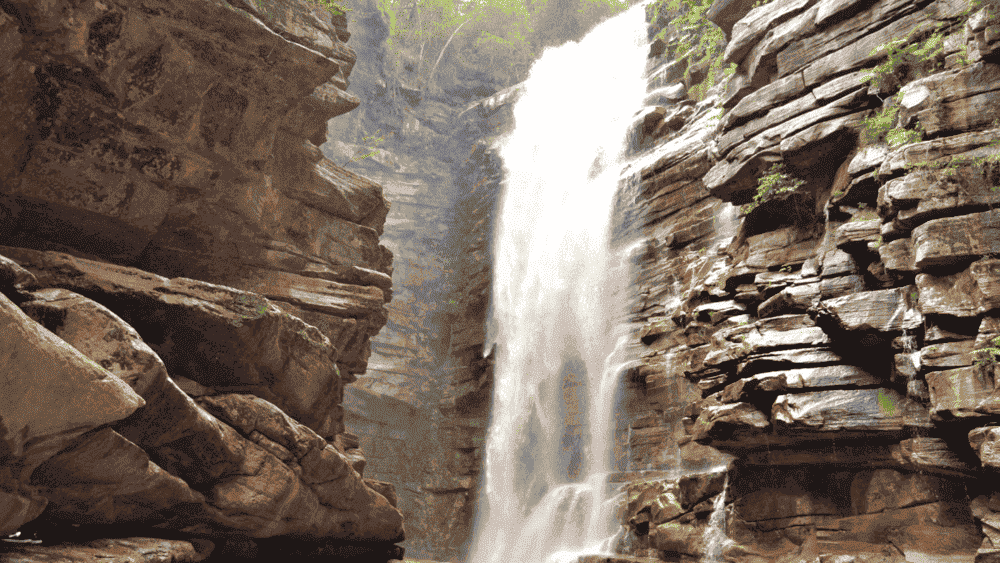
<point>189,284</point>
<point>828,337</point>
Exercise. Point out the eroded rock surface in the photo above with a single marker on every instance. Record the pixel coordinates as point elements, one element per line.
<point>187,284</point>
<point>851,387</point>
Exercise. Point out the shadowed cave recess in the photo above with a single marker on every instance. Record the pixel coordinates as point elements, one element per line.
<point>380,281</point>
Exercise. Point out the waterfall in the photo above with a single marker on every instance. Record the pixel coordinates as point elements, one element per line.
<point>557,302</point>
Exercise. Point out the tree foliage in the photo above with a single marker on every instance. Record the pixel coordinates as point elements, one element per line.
<point>691,38</point>
<point>511,32</point>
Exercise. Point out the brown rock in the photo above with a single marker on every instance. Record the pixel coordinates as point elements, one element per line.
<point>953,239</point>
<point>931,454</point>
<point>953,295</point>
<point>986,272</point>
<point>884,489</point>
<point>105,479</point>
<point>729,423</point>
<point>958,392</point>
<point>245,340</point>
<point>882,310</point>
<point>855,232</point>
<point>984,441</point>
<point>947,354</point>
<point>52,393</point>
<point>797,378</point>
<point>117,550</point>
<point>897,256</point>
<point>14,277</point>
<point>695,488</point>
<point>860,409</point>
<point>678,538</point>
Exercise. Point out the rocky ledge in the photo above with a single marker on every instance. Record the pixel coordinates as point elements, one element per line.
<point>187,285</point>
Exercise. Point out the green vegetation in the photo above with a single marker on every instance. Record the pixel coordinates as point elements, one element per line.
<point>504,32</point>
<point>988,356</point>
<point>882,126</point>
<point>886,403</point>
<point>774,183</point>
<point>690,38</point>
<point>371,142</point>
<point>904,51</point>
<point>333,6</point>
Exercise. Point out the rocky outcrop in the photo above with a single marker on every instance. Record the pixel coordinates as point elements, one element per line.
<point>188,285</point>
<point>830,340</point>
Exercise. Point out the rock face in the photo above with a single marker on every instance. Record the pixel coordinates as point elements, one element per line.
<point>831,342</point>
<point>187,285</point>
<point>420,413</point>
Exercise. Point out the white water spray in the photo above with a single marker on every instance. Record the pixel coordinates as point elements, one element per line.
<point>557,302</point>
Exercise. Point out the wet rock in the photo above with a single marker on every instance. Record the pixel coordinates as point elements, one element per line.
<point>897,256</point>
<point>884,310</point>
<point>879,410</point>
<point>693,489</point>
<point>730,422</point>
<point>117,550</point>
<point>958,392</point>
<point>855,232</point>
<point>931,454</point>
<point>837,262</point>
<point>947,355</point>
<point>885,489</point>
<point>953,295</point>
<point>797,378</point>
<point>793,299</point>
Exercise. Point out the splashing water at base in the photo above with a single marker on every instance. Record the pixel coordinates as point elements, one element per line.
<point>557,301</point>
<point>716,539</point>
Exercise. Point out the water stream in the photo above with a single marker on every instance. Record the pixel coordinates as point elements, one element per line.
<point>557,303</point>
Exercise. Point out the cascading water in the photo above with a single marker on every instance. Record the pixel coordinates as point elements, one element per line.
<point>557,302</point>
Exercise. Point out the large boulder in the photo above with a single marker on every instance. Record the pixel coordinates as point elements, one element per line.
<point>50,396</point>
<point>262,473</point>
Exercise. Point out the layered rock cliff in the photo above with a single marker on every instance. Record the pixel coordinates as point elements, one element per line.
<point>829,338</point>
<point>188,284</point>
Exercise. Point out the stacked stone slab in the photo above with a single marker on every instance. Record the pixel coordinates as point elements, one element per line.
<point>190,275</point>
<point>831,343</point>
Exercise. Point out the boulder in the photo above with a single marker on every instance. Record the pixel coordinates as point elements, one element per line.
<point>277,478</point>
<point>51,395</point>
<point>214,335</point>
<point>105,479</point>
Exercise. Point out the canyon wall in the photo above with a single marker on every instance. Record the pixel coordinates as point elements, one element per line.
<point>826,338</point>
<point>189,285</point>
